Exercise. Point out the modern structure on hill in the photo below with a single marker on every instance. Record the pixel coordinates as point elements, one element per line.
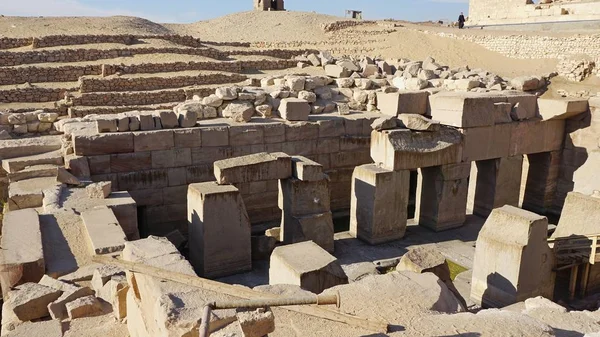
<point>269,5</point>
<point>494,12</point>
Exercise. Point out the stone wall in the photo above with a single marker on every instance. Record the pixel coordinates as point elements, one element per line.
<point>10,43</point>
<point>343,24</point>
<point>33,74</point>
<point>76,55</point>
<point>130,98</point>
<point>69,40</point>
<point>156,166</point>
<point>105,84</point>
<point>31,95</point>
<point>534,47</point>
<point>490,12</point>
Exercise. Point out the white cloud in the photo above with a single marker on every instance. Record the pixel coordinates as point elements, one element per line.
<point>60,8</point>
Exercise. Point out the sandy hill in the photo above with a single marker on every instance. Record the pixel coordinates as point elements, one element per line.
<point>15,26</point>
<point>259,26</point>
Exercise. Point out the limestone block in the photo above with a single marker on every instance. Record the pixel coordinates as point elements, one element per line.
<point>154,140</point>
<point>103,274</point>
<point>576,215</point>
<point>418,123</point>
<point>307,265</point>
<point>219,230</point>
<point>125,209</point>
<point>52,328</point>
<point>512,259</point>
<point>262,247</point>
<point>168,119</point>
<point>295,83</point>
<point>336,71</point>
<point>22,250</point>
<point>482,143</point>
<point>147,122</point>
<point>306,169</point>
<point>226,93</point>
<point>525,106</point>
<point>106,125</point>
<point>561,108</point>
<point>502,112</point>
<point>27,302</point>
<point>498,184</point>
<point>100,190</point>
<point>442,196</point>
<point>70,292</point>
<point>385,123</point>
<point>123,124</point>
<point>297,197</point>
<point>525,83</point>
<point>88,306</point>
<point>256,323</point>
<point>134,123</point>
<point>103,230</point>
<point>47,117</point>
<point>411,102</point>
<point>254,167</point>
<point>535,137</point>
<point>425,260</point>
<point>379,201</point>
<point>65,177</point>
<point>317,228</point>
<point>294,109</point>
<point>107,143</point>
<point>406,150</point>
<point>239,111</point>
<point>464,110</point>
<point>187,118</point>
<point>542,181</point>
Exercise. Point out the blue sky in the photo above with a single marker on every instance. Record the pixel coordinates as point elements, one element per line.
<point>194,10</point>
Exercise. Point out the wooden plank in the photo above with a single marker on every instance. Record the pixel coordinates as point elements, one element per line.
<point>585,279</point>
<point>195,281</point>
<point>593,252</point>
<point>571,237</point>
<point>573,282</point>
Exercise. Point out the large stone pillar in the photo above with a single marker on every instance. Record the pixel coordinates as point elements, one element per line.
<point>219,230</point>
<point>378,209</point>
<point>513,261</point>
<point>498,184</point>
<point>442,196</point>
<point>542,180</point>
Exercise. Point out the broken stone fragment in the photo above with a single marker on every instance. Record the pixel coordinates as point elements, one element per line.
<point>65,177</point>
<point>418,123</point>
<point>213,101</point>
<point>104,274</point>
<point>256,323</point>
<point>27,302</point>
<point>294,109</point>
<point>70,293</point>
<point>226,93</point>
<point>385,123</point>
<point>100,190</point>
<point>88,306</point>
<point>274,232</point>
<point>239,111</point>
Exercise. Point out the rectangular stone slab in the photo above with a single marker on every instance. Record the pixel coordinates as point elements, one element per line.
<point>104,232</point>
<point>464,110</point>
<point>254,167</point>
<point>306,169</point>
<point>22,248</point>
<point>219,230</point>
<point>561,108</point>
<point>408,150</point>
<point>409,102</point>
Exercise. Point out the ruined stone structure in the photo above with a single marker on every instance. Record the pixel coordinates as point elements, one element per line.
<point>269,5</point>
<point>489,12</point>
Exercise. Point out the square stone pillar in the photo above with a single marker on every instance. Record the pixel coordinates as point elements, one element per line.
<point>513,261</point>
<point>442,196</point>
<point>306,212</point>
<point>378,209</point>
<point>542,181</point>
<point>498,184</point>
<point>219,230</point>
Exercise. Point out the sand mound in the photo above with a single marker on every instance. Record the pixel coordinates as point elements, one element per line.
<point>16,26</point>
<point>258,26</point>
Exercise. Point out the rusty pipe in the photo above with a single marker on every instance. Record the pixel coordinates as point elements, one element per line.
<point>261,303</point>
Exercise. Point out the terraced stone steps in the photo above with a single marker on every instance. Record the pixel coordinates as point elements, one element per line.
<point>82,111</point>
<point>14,148</point>
<point>34,171</point>
<point>17,164</point>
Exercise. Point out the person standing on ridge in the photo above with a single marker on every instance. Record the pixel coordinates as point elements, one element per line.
<point>461,21</point>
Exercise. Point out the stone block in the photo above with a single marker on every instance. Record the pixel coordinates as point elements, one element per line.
<point>106,125</point>
<point>143,180</point>
<point>411,102</point>
<point>176,157</point>
<point>215,136</point>
<point>103,230</point>
<point>187,138</point>
<point>336,71</point>
<point>418,123</point>
<point>297,197</point>
<point>512,259</point>
<point>219,230</point>
<point>498,184</point>
<point>256,323</point>
<point>542,181</point>
<point>103,274</point>
<point>52,328</point>
<point>70,292</point>
<point>27,302</point>
<point>125,209</point>
<point>561,108</point>
<point>317,228</point>
<point>243,135</point>
<point>379,202</point>
<point>306,169</point>
<point>307,265</point>
<point>487,142</point>
<point>527,105</point>
<point>442,196</point>
<point>22,250</point>
<point>502,112</point>
<point>153,140</point>
<point>406,150</point>
<point>88,306</point>
<point>294,109</point>
<point>576,215</point>
<point>464,110</point>
<point>99,190</point>
<point>255,167</point>
<point>537,136</point>
<point>89,145</point>
<point>65,177</point>
<point>147,122</point>
<point>262,247</point>
<point>168,119</point>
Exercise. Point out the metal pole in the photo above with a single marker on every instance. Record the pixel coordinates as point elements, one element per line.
<point>205,325</point>
<point>333,299</point>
